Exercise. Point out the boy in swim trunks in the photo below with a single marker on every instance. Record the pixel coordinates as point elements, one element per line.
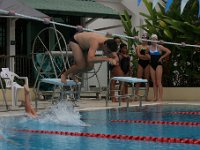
<point>84,46</point>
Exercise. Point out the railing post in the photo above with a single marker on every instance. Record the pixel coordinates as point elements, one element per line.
<point>11,48</point>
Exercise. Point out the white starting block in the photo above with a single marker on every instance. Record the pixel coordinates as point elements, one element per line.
<point>133,81</point>
<point>69,88</point>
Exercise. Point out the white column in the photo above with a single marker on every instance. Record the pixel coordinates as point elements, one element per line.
<point>11,48</point>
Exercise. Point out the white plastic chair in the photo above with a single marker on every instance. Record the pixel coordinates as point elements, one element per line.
<point>8,77</point>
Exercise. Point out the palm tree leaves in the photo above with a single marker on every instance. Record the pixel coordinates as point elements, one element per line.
<point>131,31</point>
<point>126,21</point>
<point>128,28</point>
<point>173,24</point>
<point>176,27</point>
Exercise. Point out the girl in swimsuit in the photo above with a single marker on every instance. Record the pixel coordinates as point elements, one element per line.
<point>156,69</point>
<point>142,52</point>
<point>116,71</point>
<point>124,61</point>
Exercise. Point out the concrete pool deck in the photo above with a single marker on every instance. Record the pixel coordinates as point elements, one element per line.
<point>88,101</point>
<point>87,104</point>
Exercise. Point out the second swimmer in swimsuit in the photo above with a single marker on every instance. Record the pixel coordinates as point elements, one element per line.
<point>142,52</point>
<point>156,69</point>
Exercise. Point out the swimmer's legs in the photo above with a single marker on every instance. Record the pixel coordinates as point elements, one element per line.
<point>28,107</point>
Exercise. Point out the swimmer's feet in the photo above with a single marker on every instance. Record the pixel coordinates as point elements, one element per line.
<point>73,77</point>
<point>159,100</point>
<point>147,100</point>
<point>63,78</point>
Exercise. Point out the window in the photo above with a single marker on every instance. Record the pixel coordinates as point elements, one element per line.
<point>3,36</point>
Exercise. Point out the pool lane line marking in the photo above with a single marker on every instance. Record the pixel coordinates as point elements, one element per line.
<point>159,122</point>
<point>117,136</point>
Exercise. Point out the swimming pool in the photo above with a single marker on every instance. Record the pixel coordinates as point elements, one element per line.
<point>152,127</point>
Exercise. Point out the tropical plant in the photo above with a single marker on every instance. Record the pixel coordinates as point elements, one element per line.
<point>175,27</point>
<point>131,31</point>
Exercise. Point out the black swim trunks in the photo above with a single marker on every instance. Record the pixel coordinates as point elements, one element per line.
<point>85,51</point>
<point>73,40</point>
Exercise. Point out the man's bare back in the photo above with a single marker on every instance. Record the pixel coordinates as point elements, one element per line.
<point>87,39</point>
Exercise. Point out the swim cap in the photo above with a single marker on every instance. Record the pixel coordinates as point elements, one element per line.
<point>154,36</point>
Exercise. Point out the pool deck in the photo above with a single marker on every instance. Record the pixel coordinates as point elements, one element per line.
<point>87,104</point>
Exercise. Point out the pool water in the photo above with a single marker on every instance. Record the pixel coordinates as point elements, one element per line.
<point>100,122</point>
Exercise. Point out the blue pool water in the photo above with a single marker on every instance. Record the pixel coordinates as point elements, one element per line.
<point>100,122</point>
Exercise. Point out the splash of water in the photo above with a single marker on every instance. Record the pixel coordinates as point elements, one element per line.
<point>62,113</point>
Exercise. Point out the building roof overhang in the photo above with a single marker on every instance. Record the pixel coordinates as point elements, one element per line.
<point>82,8</point>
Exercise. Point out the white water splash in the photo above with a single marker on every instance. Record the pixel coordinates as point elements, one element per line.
<point>62,113</point>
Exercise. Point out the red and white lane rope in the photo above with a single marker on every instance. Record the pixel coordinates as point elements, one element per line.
<point>159,122</point>
<point>117,136</point>
<point>185,113</point>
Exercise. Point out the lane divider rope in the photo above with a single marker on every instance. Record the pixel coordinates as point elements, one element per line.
<point>186,113</point>
<point>150,122</point>
<point>118,136</point>
<point>181,112</point>
<point>159,122</point>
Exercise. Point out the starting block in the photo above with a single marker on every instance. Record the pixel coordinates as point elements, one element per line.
<point>132,81</point>
<point>70,88</point>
